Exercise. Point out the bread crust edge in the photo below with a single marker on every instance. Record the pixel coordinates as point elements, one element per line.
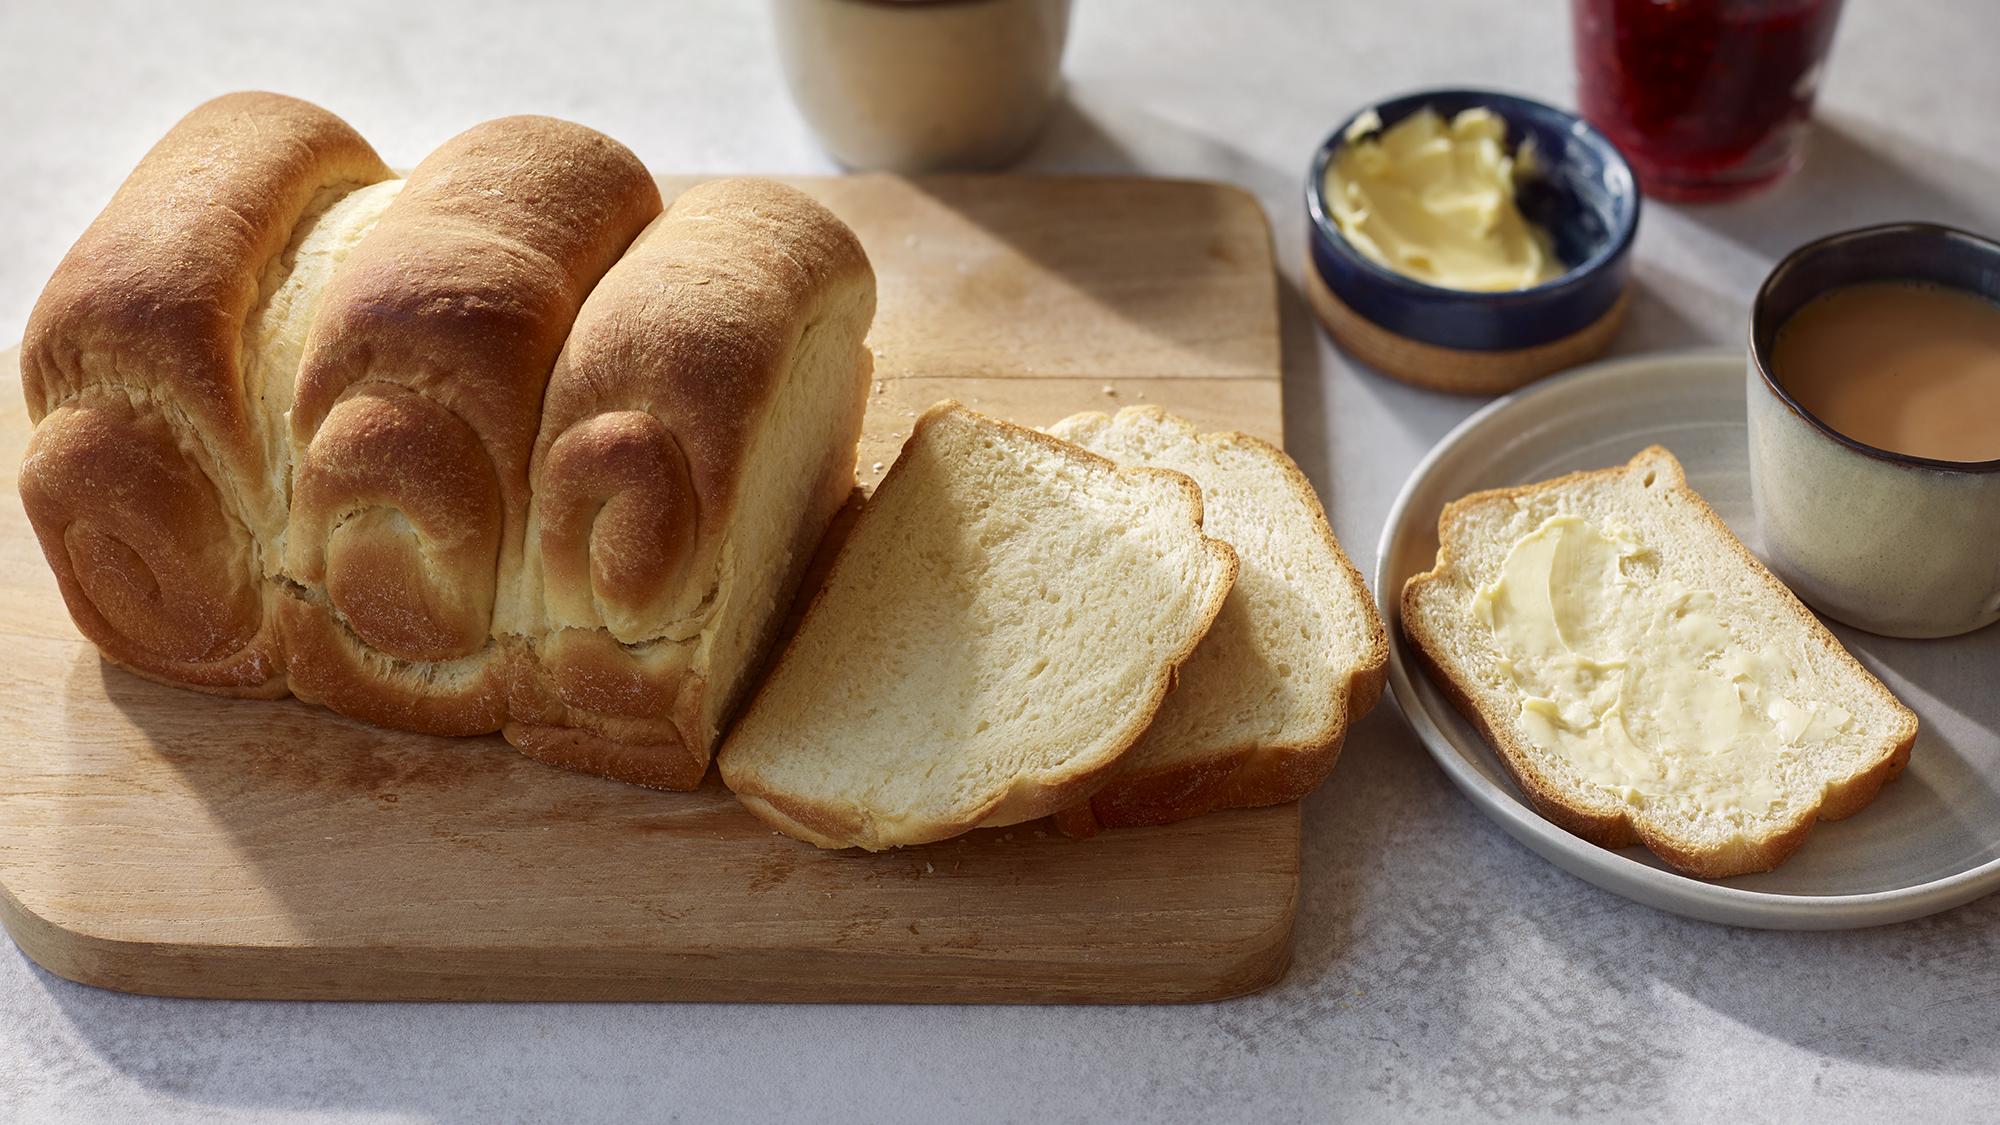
<point>1254,775</point>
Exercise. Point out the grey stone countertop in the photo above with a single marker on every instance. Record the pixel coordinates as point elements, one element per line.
<point>1442,970</point>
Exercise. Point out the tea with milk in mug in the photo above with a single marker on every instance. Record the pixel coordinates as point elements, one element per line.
<point>1905,366</point>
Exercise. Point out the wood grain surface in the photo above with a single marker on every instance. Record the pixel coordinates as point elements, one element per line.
<point>161,841</point>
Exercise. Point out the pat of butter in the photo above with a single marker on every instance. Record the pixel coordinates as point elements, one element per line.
<point>1434,201</point>
<point>1638,682</point>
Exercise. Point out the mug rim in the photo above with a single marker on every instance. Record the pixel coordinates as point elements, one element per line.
<point>1759,311</point>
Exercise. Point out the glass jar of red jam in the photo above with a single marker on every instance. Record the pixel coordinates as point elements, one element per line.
<point>1709,99</point>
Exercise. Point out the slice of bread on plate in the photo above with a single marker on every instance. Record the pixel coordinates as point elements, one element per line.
<point>999,628</point>
<point>1643,677</point>
<point>1298,652</point>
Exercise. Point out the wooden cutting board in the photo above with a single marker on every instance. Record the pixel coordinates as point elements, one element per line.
<point>162,841</point>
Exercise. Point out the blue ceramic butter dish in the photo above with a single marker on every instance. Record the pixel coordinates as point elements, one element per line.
<point>1580,190</point>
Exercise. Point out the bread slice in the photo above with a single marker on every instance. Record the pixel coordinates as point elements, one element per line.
<point>1297,653</point>
<point>998,630</point>
<point>1743,719</point>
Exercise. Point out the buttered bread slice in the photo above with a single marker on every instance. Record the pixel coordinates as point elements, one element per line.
<point>1643,677</point>
<point>999,628</point>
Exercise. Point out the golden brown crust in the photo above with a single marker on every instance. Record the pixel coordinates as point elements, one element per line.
<point>585,702</point>
<point>155,292</point>
<point>1248,776</point>
<point>820,826</point>
<point>664,765</point>
<point>675,360</point>
<point>1617,827</point>
<point>150,563</point>
<point>668,382</point>
<point>415,412</point>
<point>461,697</point>
<point>145,481</point>
<point>836,826</point>
<point>418,398</point>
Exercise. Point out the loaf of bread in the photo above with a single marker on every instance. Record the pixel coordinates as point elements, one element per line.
<point>157,367</point>
<point>418,400</point>
<point>698,435</point>
<point>1643,677</point>
<point>1298,652</point>
<point>999,628</point>
<point>297,432</point>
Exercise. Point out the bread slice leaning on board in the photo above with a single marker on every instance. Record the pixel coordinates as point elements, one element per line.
<point>1298,652</point>
<point>292,428</point>
<point>1642,676</point>
<point>1001,625</point>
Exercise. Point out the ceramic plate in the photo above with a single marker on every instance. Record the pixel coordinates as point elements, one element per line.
<point>1930,841</point>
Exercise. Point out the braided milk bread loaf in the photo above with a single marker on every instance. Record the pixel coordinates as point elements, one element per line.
<point>418,400</point>
<point>157,365</point>
<point>697,438</point>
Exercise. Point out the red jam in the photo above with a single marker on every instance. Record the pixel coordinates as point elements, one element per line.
<point>1709,99</point>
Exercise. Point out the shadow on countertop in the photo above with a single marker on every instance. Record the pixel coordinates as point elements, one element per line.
<point>1854,175</point>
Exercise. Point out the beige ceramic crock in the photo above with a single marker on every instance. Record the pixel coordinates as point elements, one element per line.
<point>1894,544</point>
<point>923,85</point>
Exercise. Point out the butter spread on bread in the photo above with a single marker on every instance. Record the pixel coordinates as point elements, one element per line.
<point>1642,676</point>
<point>1637,681</point>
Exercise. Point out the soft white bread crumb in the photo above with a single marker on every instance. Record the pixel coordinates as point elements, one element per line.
<point>1261,709</point>
<point>1000,626</point>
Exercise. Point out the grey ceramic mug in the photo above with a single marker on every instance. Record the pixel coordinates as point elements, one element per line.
<point>1894,544</point>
